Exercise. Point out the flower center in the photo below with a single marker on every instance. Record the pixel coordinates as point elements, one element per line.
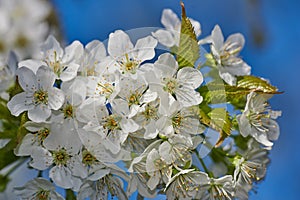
<point>105,89</point>
<point>150,112</point>
<point>42,195</point>
<point>42,134</point>
<point>61,157</point>
<point>170,85</point>
<point>88,158</point>
<point>111,122</point>
<point>129,64</point>
<point>68,111</point>
<point>134,99</point>
<point>40,97</point>
<point>176,120</point>
<point>256,120</point>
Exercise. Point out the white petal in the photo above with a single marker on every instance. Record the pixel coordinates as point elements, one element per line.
<point>39,113</point>
<point>237,39</point>
<point>26,146</point>
<point>164,37</point>
<point>170,20</point>
<point>32,64</point>
<point>20,103</point>
<point>188,97</point>
<point>96,48</point>
<point>149,96</point>
<point>61,176</point>
<point>197,27</point>
<point>153,181</point>
<point>128,125</point>
<point>119,43</point>
<point>69,72</point>
<point>151,130</point>
<point>165,152</point>
<point>41,158</point>
<point>27,79</point>
<point>217,37</point>
<point>190,76</point>
<point>244,125</point>
<point>227,77</point>
<point>145,48</point>
<point>55,98</point>
<point>73,53</point>
<point>45,77</point>
<point>167,64</point>
<point>50,46</point>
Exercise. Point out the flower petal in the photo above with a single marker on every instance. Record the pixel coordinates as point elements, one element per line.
<point>164,37</point>
<point>119,43</point>
<point>20,103</point>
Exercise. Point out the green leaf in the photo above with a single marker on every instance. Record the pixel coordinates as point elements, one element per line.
<point>4,180</point>
<point>7,155</point>
<point>219,92</point>
<point>188,50</point>
<point>256,84</point>
<point>217,119</point>
<point>220,121</point>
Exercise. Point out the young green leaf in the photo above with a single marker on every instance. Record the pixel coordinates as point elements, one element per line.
<point>188,50</point>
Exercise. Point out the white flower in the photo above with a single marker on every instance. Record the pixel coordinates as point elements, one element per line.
<point>94,53</point>
<point>106,85</point>
<point>61,150</point>
<point>101,188</point>
<point>165,79</point>
<point>39,96</point>
<point>176,151</point>
<point>133,93</point>
<point>7,72</point>
<point>219,188</point>
<point>225,54</point>
<point>185,184</point>
<point>63,62</point>
<point>113,128</point>
<point>249,167</point>
<point>39,189</point>
<point>171,35</point>
<point>258,121</point>
<point>33,140</point>
<point>147,117</point>
<point>98,147</point>
<point>157,169</point>
<point>178,120</point>
<point>75,94</point>
<point>125,57</point>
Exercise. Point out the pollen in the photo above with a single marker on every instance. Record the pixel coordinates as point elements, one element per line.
<point>88,158</point>
<point>68,111</point>
<point>42,134</point>
<point>43,195</point>
<point>40,97</point>
<point>171,85</point>
<point>61,157</point>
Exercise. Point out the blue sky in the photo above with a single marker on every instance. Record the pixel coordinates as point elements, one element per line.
<point>276,59</point>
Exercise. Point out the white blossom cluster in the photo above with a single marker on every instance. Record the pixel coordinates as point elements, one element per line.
<point>23,26</point>
<point>99,116</point>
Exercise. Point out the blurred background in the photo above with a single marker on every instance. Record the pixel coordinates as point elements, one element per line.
<point>272,32</point>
